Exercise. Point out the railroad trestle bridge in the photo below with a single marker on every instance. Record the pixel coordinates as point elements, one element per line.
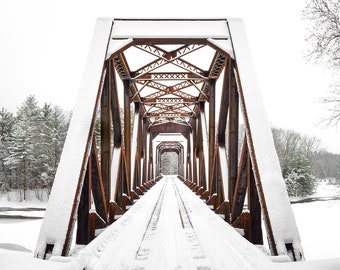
<point>157,86</point>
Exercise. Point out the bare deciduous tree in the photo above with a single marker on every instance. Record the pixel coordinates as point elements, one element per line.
<point>333,101</point>
<point>324,40</point>
<point>324,31</point>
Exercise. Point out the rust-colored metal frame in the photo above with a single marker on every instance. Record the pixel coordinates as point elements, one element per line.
<point>119,165</point>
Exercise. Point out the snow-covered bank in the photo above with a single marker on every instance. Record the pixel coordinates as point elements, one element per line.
<point>319,224</point>
<point>318,220</point>
<point>330,264</point>
<point>20,232</point>
<point>20,223</point>
<point>10,260</point>
<point>12,199</point>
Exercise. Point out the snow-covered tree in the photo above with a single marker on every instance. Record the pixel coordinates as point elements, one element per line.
<point>327,165</point>
<point>297,155</point>
<point>22,159</point>
<point>299,179</point>
<point>52,136</point>
<point>6,124</point>
<point>169,163</point>
<point>6,127</point>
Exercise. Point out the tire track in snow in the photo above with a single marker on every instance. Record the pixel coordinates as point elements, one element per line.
<point>145,245</point>
<point>191,236</point>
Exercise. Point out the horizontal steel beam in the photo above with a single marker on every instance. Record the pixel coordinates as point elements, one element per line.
<point>168,76</point>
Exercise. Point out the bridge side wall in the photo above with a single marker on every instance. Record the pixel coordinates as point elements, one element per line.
<point>61,209</point>
<point>267,169</point>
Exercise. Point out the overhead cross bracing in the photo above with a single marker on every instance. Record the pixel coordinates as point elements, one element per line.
<point>154,86</point>
<point>173,80</point>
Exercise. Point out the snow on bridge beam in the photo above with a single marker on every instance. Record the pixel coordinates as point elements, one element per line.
<point>63,203</point>
<point>175,29</point>
<point>279,217</point>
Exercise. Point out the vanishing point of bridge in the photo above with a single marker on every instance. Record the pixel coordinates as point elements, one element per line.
<point>152,87</point>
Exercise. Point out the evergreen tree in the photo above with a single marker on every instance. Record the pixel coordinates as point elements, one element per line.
<point>299,178</point>
<point>6,127</point>
<point>297,155</point>
<point>52,136</point>
<point>23,159</point>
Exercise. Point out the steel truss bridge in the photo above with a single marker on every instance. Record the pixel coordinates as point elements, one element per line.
<point>158,86</point>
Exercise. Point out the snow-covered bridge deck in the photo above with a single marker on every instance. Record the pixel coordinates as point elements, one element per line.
<point>170,228</point>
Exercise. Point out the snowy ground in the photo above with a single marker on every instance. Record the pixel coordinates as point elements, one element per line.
<point>20,224</point>
<point>318,223</point>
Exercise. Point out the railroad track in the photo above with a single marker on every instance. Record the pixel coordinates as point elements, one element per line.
<point>145,245</point>
<point>197,252</point>
<point>181,224</point>
<point>168,228</point>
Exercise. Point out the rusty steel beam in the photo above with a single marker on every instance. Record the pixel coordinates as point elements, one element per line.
<point>134,146</point>
<point>212,101</point>
<point>176,100</point>
<point>105,134</point>
<point>165,114</point>
<point>224,105</point>
<point>217,66</point>
<point>82,234</point>
<point>144,155</point>
<point>115,109</point>
<point>194,149</point>
<point>171,107</point>
<point>164,58</point>
<point>241,183</point>
<point>122,67</point>
<point>164,90</point>
<point>127,131</point>
<point>166,76</point>
<point>233,138</point>
<point>254,206</point>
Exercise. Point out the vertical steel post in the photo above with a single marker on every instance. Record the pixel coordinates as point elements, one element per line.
<point>127,130</point>
<point>233,137</point>
<point>212,127</point>
<point>105,134</point>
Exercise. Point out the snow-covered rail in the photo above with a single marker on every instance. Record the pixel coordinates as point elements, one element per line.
<point>170,228</point>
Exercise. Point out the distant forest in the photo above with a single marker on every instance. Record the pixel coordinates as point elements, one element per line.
<point>303,161</point>
<point>31,143</point>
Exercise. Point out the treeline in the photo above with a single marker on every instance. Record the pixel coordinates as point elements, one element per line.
<point>30,147</point>
<point>31,143</point>
<point>303,161</point>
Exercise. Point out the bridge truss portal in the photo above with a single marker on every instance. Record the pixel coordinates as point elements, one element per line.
<point>153,86</point>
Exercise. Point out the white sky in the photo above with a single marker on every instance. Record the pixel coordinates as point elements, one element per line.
<point>44,46</point>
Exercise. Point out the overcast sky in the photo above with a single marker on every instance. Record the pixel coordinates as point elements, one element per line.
<point>44,45</point>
